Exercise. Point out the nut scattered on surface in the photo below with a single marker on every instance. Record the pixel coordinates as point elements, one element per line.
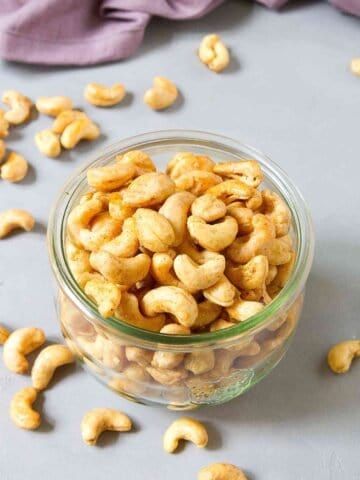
<point>13,219</point>
<point>4,124</point>
<point>214,53</point>
<point>48,143</point>
<point>21,342</point>
<point>96,421</point>
<point>221,471</point>
<point>53,106</point>
<point>21,411</point>
<point>81,129</point>
<point>4,334</point>
<point>162,95</point>
<point>48,360</point>
<point>14,169</point>
<point>103,96</point>
<point>185,429</point>
<point>355,66</point>
<point>341,355</point>
<point>20,107</point>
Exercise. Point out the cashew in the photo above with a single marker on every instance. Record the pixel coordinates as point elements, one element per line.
<point>80,217</point>
<point>47,362</point>
<point>48,143</point>
<point>173,300</point>
<point>126,244</point>
<point>4,124</point>
<point>221,471</point>
<point>96,421</point>
<point>65,118</point>
<point>20,107</point>
<point>276,209</point>
<point>281,335</point>
<point>283,272</point>
<point>21,342</point>
<point>103,229</point>
<point>184,162</point>
<point>243,216</point>
<point>162,269</point>
<point>81,129</point>
<point>106,295</point>
<point>185,429</point>
<point>128,311</point>
<point>241,310</point>
<point>148,189</point>
<point>207,313</point>
<point>110,177</point>
<point>175,329</point>
<point>15,168</point>
<point>103,96</point>
<point>175,209</point>
<point>272,273</point>
<point>15,218</point>
<point>4,334</point>
<point>134,380</point>
<point>209,208</point>
<point>236,189</point>
<point>341,355</point>
<point>21,412</point>
<point>197,181</point>
<point>125,271</point>
<point>117,209</point>
<point>2,149</point>
<point>200,362</point>
<point>213,53</point>
<point>220,324</point>
<point>248,171</point>
<point>167,377</point>
<point>169,360</point>
<point>278,250</point>
<point>199,277</point>
<point>141,161</point>
<point>162,95</point>
<point>222,292</point>
<point>53,106</point>
<point>154,231</point>
<point>114,355</point>
<point>214,237</point>
<point>139,355</point>
<point>251,275</point>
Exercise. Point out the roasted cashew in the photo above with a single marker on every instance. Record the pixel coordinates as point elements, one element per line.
<point>114,355</point>
<point>273,270</point>
<point>126,244</point>
<point>243,216</point>
<point>248,171</point>
<point>15,168</point>
<point>13,219</point>
<point>20,107</point>
<point>4,334</point>
<point>169,360</point>
<point>80,217</point>
<point>110,177</point>
<point>162,95</point>
<point>241,310</point>
<point>4,124</point>
<point>47,362</point>
<point>105,294</point>
<point>96,421</point>
<point>128,311</point>
<point>278,250</point>
<point>141,356</point>
<point>236,190</point>
<point>222,292</point>
<point>280,336</point>
<point>117,209</point>
<point>48,143</point>
<point>251,275</point>
<point>21,342</point>
<point>175,209</point>
<point>199,277</point>
<point>134,380</point>
<point>53,106</point>
<point>341,355</point>
<point>214,237</point>
<point>21,412</point>
<point>125,271</point>
<point>103,96</point>
<point>213,53</point>
<point>207,313</point>
<point>200,362</point>
<point>167,377</point>
<point>276,209</point>
<point>103,229</point>
<point>184,162</point>
<point>148,190</point>
<point>220,324</point>
<point>283,272</point>
<point>81,129</point>
<point>65,118</point>
<point>153,230</point>
<point>197,181</point>
<point>173,300</point>
<point>221,471</point>
<point>162,269</point>
<point>185,429</point>
<point>209,208</point>
<point>141,161</point>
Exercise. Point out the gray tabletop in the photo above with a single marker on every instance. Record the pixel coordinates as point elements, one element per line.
<point>288,92</point>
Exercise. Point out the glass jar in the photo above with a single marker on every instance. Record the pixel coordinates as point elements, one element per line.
<point>207,368</point>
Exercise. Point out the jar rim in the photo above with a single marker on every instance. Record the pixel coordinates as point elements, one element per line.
<point>300,216</point>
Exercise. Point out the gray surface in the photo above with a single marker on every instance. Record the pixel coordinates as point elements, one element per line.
<point>289,93</point>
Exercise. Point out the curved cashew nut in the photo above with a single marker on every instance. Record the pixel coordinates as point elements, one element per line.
<point>237,190</point>
<point>110,177</point>
<point>248,171</point>
<point>128,311</point>
<point>125,271</point>
<point>134,380</point>
<point>278,250</point>
<point>126,244</point>
<point>242,215</point>
<point>209,208</point>
<point>199,277</point>
<point>222,292</point>
<point>184,162</point>
<point>207,313</point>
<point>20,107</point>
<point>4,334</point>
<point>162,270</point>
<point>221,471</point>
<point>48,143</point>
<point>272,273</point>
<point>117,209</point>
<point>168,360</point>
<point>162,95</point>
<point>21,342</point>
<point>153,230</point>
<point>172,300</point>
<point>175,209</point>
<point>200,362</point>
<point>105,294</point>
<point>148,190</point>
<point>140,356</point>
<point>4,124</point>
<point>213,53</point>
<point>213,237</point>
<point>251,275</point>
<point>15,218</point>
<point>341,355</point>
<point>80,217</point>
<point>15,168</point>
<point>53,106</point>
<point>21,412</point>
<point>47,362</point>
<point>220,324</point>
<point>81,129</point>
<point>197,181</point>
<point>165,376</point>
<point>185,429</point>
<point>65,118</point>
<point>96,421</point>
<point>103,96</point>
<point>141,161</point>
<point>103,229</point>
<point>276,209</point>
<point>241,310</point>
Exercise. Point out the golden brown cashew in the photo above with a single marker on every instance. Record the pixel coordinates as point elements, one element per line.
<point>222,292</point>
<point>184,162</point>
<point>199,277</point>
<point>221,471</point>
<point>20,107</point>
<point>200,362</point>
<point>148,190</point>
<point>169,360</point>
<point>153,230</point>
<point>197,181</point>
<point>242,215</point>
<point>105,294</point>
<point>103,228</point>
<point>103,96</point>
<point>214,237</point>
<point>241,310</point>
<point>96,421</point>
<point>213,53</point>
<point>4,334</point>
<point>175,209</point>
<point>141,356</point>
<point>21,412</point>
<point>282,272</point>
<point>128,311</point>
<point>65,118</point>
<point>21,342</point>
<point>208,312</point>
<point>110,177</point>
<point>220,324</point>
<point>80,217</point>
<point>126,244</point>
<point>276,209</point>
<point>278,250</point>
<point>235,189</point>
<point>162,269</point>
<point>81,129</point>
<point>248,171</point>
<point>15,218</point>
<point>47,362</point>
<point>209,208</point>
<point>141,161</point>
<point>341,355</point>
<point>251,275</point>
<point>53,106</point>
<point>48,143</point>
<point>162,95</point>
<point>4,124</point>
<point>172,300</point>
<point>15,168</point>
<point>185,429</point>
<point>165,376</point>
<point>117,209</point>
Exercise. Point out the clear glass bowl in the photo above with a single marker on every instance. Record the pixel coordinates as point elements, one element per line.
<point>119,354</point>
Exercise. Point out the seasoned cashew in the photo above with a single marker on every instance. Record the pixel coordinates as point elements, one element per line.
<point>81,129</point>
<point>248,171</point>
<point>175,209</point>
<point>278,250</point>
<point>48,143</point>
<point>168,360</point>
<point>47,362</point>
<point>21,411</point>
<point>15,218</point>
<point>117,209</point>
<point>141,161</point>
<point>80,217</point>
<point>207,313</point>
<point>213,53</point>
<point>15,168</point>
<point>221,471</point>
<point>165,376</point>
<point>185,429</point>
<point>110,177</point>
<point>199,277</point>
<point>184,162</point>
<point>153,230</point>
<point>280,335</point>
<point>128,311</point>
<point>162,269</point>
<point>235,189</point>
<point>125,271</point>
<point>139,355</point>
<point>21,342</point>
<point>103,228</point>
<point>4,334</point>
<point>200,362</point>
<point>20,107</point>
<point>103,96</point>
<point>276,209</point>
<point>242,215</point>
<point>2,149</point>
<point>4,124</point>
<point>209,208</point>
<point>65,118</point>
<point>53,106</point>
<point>173,300</point>
<point>197,181</point>
<point>148,189</point>
<point>341,355</point>
<point>222,292</point>
<point>283,272</point>
<point>105,294</point>
<point>96,421</point>
<point>272,273</point>
<point>126,244</point>
<point>251,275</point>
<point>162,95</point>
<point>220,324</point>
<point>214,237</point>
<point>241,310</point>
